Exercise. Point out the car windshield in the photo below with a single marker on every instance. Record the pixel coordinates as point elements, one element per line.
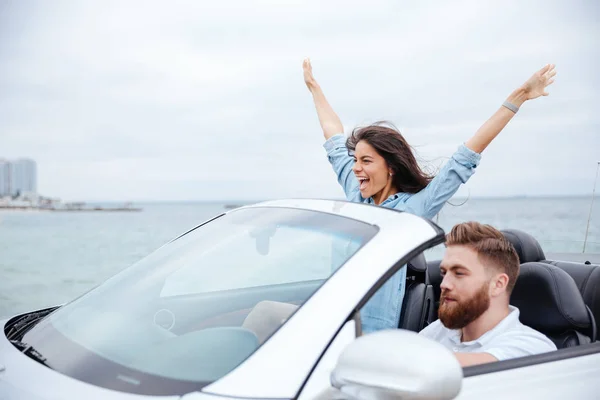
<point>174,321</point>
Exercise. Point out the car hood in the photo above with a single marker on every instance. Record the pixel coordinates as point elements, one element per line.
<point>26,379</point>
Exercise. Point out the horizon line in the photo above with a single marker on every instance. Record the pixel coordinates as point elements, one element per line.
<point>258,200</point>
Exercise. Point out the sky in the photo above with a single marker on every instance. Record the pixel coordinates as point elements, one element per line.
<point>204,100</point>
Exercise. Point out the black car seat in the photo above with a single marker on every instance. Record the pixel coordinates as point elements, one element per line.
<point>585,275</point>
<point>527,247</point>
<point>587,279</point>
<point>550,302</point>
<point>418,302</point>
<point>434,277</point>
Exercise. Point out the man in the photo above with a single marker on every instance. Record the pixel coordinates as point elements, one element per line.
<point>479,270</point>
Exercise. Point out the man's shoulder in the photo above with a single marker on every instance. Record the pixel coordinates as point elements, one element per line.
<point>519,341</point>
<point>526,333</point>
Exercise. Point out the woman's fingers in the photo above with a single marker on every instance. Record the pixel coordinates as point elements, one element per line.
<point>544,69</point>
<point>306,64</point>
<point>308,74</point>
<point>549,76</point>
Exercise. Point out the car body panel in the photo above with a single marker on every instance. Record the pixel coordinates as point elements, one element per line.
<point>319,380</point>
<point>567,378</point>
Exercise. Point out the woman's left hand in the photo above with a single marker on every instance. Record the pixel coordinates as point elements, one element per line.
<point>536,85</point>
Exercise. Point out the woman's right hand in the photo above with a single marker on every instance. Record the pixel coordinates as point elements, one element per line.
<point>309,79</point>
<point>536,85</point>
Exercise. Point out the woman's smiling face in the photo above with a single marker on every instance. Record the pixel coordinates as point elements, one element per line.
<point>371,170</point>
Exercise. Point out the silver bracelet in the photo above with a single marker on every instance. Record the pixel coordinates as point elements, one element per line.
<point>511,106</point>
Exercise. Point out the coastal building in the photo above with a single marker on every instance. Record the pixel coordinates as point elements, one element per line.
<point>23,176</point>
<point>18,177</point>
<point>5,189</point>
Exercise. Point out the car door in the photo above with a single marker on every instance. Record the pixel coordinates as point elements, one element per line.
<point>566,373</point>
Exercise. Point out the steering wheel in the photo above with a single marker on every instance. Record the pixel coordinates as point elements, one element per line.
<point>164,319</point>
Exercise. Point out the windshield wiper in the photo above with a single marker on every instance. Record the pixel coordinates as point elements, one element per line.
<point>30,352</point>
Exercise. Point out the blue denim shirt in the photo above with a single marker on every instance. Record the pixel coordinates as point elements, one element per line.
<point>382,311</point>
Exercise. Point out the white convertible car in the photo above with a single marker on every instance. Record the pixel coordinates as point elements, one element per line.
<point>173,324</point>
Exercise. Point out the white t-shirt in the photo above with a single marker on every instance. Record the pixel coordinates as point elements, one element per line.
<point>509,339</point>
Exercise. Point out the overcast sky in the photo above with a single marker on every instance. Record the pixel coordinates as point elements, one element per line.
<point>204,100</point>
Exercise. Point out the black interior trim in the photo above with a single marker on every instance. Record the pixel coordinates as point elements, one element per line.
<point>522,362</point>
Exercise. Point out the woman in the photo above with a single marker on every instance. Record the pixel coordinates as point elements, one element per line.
<point>375,165</point>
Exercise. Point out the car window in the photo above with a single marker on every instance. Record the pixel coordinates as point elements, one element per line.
<point>291,255</point>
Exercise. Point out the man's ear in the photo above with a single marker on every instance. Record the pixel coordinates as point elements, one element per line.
<point>498,284</point>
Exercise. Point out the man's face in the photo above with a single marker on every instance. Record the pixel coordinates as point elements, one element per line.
<point>465,288</point>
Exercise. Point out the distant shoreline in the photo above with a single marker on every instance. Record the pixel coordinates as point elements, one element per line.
<point>254,201</point>
<point>117,206</point>
<point>41,209</point>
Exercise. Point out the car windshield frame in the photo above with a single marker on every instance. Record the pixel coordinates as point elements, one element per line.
<point>51,338</point>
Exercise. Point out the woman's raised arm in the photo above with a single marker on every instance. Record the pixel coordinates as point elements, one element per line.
<point>330,122</point>
<point>532,89</point>
<point>464,161</point>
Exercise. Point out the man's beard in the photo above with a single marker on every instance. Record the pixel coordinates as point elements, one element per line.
<point>458,314</point>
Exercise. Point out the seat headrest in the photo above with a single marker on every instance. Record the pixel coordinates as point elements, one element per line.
<point>528,249</point>
<point>418,264</point>
<point>549,300</point>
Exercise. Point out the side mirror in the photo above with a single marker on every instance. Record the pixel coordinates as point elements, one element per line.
<point>397,364</point>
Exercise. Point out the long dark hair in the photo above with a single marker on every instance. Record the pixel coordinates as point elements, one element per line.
<point>390,144</point>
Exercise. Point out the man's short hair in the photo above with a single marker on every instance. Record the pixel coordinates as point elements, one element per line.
<point>492,247</point>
